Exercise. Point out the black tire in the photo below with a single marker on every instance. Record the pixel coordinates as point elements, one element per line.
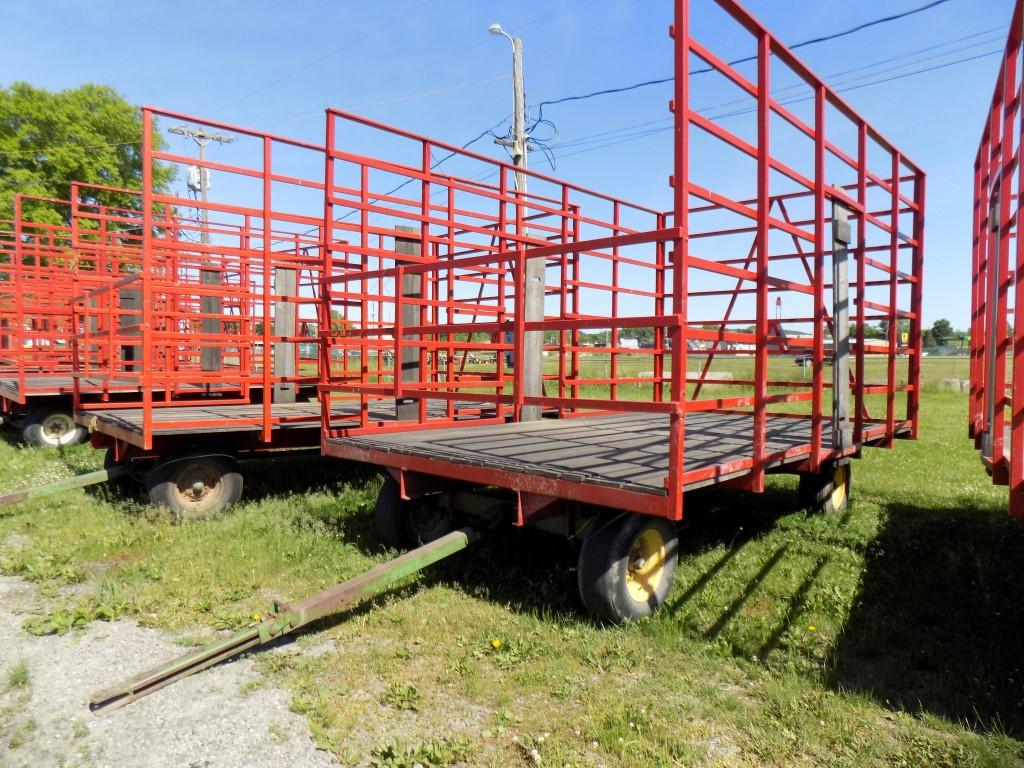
<point>827,493</point>
<point>52,428</point>
<point>615,579</point>
<point>195,486</point>
<point>402,524</point>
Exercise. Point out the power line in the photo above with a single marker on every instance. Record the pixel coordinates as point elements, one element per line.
<point>646,133</point>
<point>802,44</point>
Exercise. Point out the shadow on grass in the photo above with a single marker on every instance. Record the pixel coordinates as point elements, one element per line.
<point>535,572</point>
<point>938,625</point>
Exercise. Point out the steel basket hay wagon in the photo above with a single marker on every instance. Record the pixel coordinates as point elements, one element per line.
<point>51,251</point>
<point>671,344</point>
<point>997,283</point>
<point>219,328</point>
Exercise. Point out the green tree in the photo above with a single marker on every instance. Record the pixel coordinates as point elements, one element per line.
<point>942,330</point>
<point>49,139</point>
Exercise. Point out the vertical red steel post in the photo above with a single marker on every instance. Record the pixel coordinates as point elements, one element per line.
<point>1016,469</point>
<point>975,330</point>
<point>327,272</point>
<point>269,349</point>
<point>659,311</point>
<point>820,317</point>
<point>1000,472</point>
<point>763,211</point>
<point>861,255</point>
<point>916,307</point>
<point>426,251</point>
<point>18,340</point>
<point>679,258</point>
<point>613,363</point>
<point>893,313</point>
<point>145,313</point>
<point>519,319</point>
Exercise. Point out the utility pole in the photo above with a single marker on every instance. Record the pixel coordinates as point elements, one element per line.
<point>209,305</point>
<point>533,298</point>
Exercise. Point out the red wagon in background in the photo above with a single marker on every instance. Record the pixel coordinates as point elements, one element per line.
<point>219,328</point>
<point>52,251</point>
<point>788,232</point>
<point>997,285</point>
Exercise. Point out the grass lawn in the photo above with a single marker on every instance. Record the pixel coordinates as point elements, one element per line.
<point>891,636</point>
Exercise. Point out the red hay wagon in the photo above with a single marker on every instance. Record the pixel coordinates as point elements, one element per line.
<point>52,251</point>
<point>787,233</point>
<point>997,285</point>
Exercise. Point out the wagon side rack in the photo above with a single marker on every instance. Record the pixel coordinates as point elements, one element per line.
<point>285,619</point>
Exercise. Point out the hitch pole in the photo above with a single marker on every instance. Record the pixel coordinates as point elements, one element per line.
<point>286,619</point>
<point>79,481</point>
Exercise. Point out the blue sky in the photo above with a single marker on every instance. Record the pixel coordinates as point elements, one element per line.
<point>431,67</point>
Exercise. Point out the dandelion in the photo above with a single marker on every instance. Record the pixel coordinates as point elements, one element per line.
<point>496,644</point>
<point>256,617</point>
<point>812,628</point>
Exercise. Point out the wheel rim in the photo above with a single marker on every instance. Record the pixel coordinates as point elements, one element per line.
<point>645,567</point>
<point>838,495</point>
<point>58,429</point>
<point>198,489</point>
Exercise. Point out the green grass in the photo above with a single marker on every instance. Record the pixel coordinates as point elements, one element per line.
<point>888,637</point>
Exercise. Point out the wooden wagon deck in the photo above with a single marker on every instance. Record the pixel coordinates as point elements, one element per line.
<point>50,385</point>
<point>46,385</point>
<point>127,423</point>
<point>621,451</point>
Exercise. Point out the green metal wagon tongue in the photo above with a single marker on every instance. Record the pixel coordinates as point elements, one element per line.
<point>286,619</point>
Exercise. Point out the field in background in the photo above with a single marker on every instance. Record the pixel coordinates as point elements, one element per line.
<point>890,636</point>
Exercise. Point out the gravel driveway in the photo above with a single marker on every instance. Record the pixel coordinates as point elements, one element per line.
<point>201,721</point>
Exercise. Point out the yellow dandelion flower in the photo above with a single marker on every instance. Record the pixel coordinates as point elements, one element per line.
<point>495,643</point>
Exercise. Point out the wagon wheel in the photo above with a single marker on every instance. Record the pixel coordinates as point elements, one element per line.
<point>827,492</point>
<point>52,428</point>
<point>627,566</point>
<point>195,486</point>
<point>402,524</point>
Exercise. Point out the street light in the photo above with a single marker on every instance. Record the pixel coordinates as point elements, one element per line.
<point>518,139</point>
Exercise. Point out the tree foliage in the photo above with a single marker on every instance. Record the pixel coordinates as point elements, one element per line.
<point>943,331</point>
<point>49,139</point>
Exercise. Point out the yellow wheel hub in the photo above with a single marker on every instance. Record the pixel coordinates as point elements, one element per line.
<point>645,565</point>
<point>839,487</point>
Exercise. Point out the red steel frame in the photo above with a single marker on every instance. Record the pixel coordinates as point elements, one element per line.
<point>43,267</point>
<point>685,256</point>
<point>242,245</point>
<point>997,286</point>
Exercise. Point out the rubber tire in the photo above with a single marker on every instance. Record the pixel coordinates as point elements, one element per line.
<point>816,491</point>
<point>162,484</point>
<point>394,519</point>
<point>603,567</point>
<point>35,433</point>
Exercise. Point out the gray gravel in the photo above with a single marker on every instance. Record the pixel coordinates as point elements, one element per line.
<point>205,721</point>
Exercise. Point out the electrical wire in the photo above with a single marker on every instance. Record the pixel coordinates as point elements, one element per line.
<point>735,113</point>
<point>813,41</point>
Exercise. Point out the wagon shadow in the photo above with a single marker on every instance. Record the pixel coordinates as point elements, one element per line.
<point>535,572</point>
<point>939,621</point>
